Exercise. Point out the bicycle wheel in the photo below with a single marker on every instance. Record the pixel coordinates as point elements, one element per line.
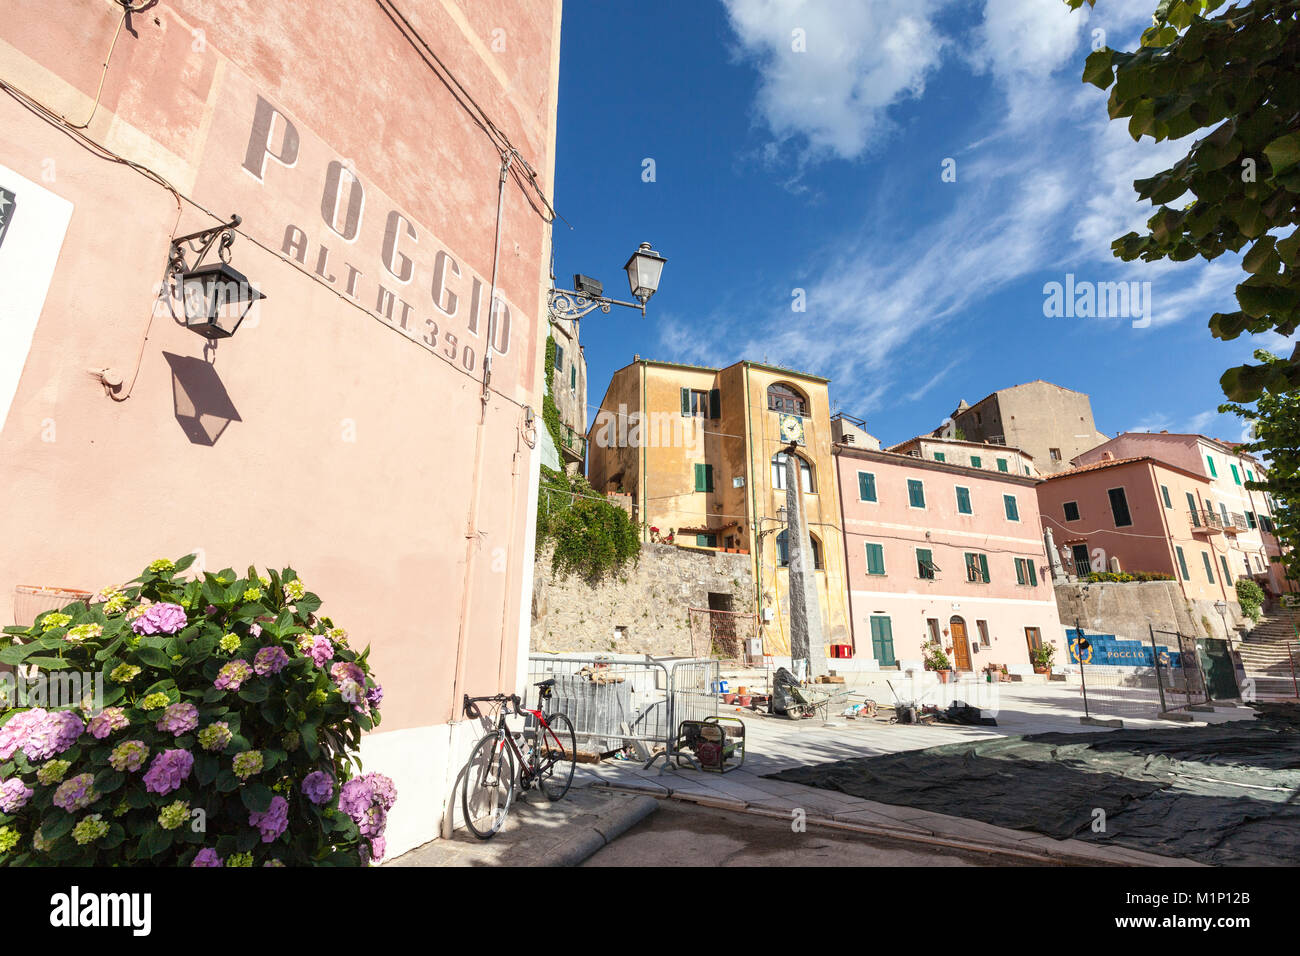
<point>489,787</point>
<point>555,755</point>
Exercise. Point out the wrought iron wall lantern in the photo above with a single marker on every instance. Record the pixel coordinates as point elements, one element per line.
<point>644,269</point>
<point>215,297</point>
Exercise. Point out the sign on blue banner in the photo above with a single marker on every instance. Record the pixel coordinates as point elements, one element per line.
<point>1118,651</point>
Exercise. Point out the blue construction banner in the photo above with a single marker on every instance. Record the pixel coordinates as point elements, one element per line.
<point>1118,651</point>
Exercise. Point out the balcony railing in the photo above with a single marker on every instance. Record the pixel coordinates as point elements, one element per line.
<point>1235,523</point>
<point>573,444</point>
<point>1206,522</point>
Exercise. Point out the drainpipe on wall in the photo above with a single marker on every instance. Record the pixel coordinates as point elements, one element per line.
<point>471,521</point>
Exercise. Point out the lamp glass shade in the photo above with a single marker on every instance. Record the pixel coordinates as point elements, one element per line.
<point>643,272</point>
<point>217,299</point>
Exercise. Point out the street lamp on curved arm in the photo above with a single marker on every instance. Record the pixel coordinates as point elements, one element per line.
<point>643,268</point>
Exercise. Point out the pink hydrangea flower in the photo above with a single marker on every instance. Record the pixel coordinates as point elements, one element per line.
<point>367,801</point>
<point>270,660</point>
<point>321,650</point>
<point>13,795</point>
<point>318,787</point>
<point>232,675</point>
<point>168,771</point>
<point>106,721</point>
<point>179,718</point>
<point>273,820</point>
<point>53,734</point>
<point>160,619</point>
<point>14,734</point>
<point>206,857</point>
<point>347,670</point>
<point>76,793</point>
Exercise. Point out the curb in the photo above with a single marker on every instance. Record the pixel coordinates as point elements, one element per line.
<point>607,827</point>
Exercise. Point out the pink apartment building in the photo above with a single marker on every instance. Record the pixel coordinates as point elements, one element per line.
<point>1240,518</point>
<point>1140,514</point>
<point>944,551</point>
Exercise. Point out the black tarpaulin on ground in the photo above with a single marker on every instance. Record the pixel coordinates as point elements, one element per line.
<point>1224,794</point>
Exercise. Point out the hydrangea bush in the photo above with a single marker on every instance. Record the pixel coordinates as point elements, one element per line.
<point>227,734</point>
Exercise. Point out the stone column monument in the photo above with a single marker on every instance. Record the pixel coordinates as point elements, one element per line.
<point>807,644</point>
<point>1059,575</point>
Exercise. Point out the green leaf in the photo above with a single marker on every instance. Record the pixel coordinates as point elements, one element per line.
<point>254,693</point>
<point>1283,153</point>
<point>256,796</point>
<point>153,657</point>
<point>1097,69</point>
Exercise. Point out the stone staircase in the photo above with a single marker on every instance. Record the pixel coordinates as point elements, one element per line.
<point>1265,656</point>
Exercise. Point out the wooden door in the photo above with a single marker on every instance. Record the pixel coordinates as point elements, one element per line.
<point>960,644</point>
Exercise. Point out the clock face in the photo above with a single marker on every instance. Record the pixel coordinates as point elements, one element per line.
<point>792,428</point>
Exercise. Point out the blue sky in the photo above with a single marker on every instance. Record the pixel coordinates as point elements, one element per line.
<point>821,170</point>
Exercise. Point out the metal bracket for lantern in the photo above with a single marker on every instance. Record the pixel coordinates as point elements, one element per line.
<point>216,298</point>
<point>643,268</point>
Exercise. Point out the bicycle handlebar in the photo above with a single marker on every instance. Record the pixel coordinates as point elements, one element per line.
<point>473,713</point>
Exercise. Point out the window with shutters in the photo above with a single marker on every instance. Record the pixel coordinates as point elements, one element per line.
<point>976,461</point>
<point>703,477</point>
<point>1119,507</point>
<point>695,402</point>
<point>1002,464</point>
<point>977,567</point>
<point>939,456</point>
<point>1071,510</point>
<point>915,493</point>
<point>925,566</point>
<point>573,377</point>
<point>1191,505</point>
<point>983,628</point>
<point>1182,563</point>
<point>866,486</point>
<point>875,558</point>
<point>1164,493</point>
<point>963,501</point>
<point>1209,566</point>
<point>1214,472</point>
<point>783,551</point>
<point>1236,475</point>
<point>1011,507</point>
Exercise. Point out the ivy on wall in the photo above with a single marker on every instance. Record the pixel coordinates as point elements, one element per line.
<point>592,537</point>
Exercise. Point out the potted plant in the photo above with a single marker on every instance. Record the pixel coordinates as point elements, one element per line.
<point>1041,657</point>
<point>936,660</point>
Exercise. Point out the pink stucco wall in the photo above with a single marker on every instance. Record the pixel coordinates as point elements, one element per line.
<point>359,451</point>
<point>908,599</point>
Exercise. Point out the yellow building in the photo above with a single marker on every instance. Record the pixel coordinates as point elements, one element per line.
<point>700,453</point>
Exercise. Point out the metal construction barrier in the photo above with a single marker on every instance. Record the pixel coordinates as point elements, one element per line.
<point>617,702</point>
<point>1182,685</point>
<point>1111,691</point>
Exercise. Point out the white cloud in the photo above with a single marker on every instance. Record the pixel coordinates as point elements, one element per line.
<point>859,59</point>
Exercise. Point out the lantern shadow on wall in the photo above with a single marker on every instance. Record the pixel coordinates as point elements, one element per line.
<point>202,404</point>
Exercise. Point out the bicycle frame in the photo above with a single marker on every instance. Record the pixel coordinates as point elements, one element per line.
<point>554,747</point>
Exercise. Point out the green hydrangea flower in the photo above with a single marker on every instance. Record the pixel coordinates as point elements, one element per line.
<point>122,809</point>
<point>318,697</point>
<point>39,843</point>
<point>52,771</point>
<point>229,643</point>
<point>253,594</point>
<point>173,815</point>
<point>124,673</point>
<point>161,565</point>
<point>247,763</point>
<point>90,829</point>
<point>239,859</point>
<point>265,582</point>
<point>8,839</point>
<point>293,590</point>
<point>51,621</point>
<point>338,636</point>
<point>83,632</point>
<point>116,604</point>
<point>291,741</point>
<point>154,701</point>
<point>215,736</point>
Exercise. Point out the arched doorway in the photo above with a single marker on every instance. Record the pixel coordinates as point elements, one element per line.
<point>960,644</point>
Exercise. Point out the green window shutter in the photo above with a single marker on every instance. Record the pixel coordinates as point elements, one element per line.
<point>1020,570</point>
<point>686,401</point>
<point>939,456</point>
<point>1191,504</point>
<point>1209,567</point>
<point>975,461</point>
<point>573,377</point>
<point>866,486</point>
<point>559,356</point>
<point>1164,493</point>
<point>1002,464</point>
<point>1250,519</point>
<point>984,567</point>
<point>699,478</point>
<point>924,559</point>
<point>1009,503</point>
<point>875,559</point>
<point>1236,475</point>
<point>1227,576</point>
<point>1182,563</point>
<point>1033,572</point>
<point>715,403</point>
<point>963,501</point>
<point>915,493</point>
<point>1213,472</point>
<point>1250,475</point>
<point>708,477</point>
